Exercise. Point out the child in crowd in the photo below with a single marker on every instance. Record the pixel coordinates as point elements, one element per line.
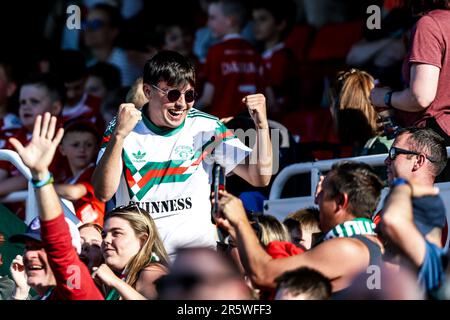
<point>303,226</point>
<point>233,68</point>
<point>272,22</point>
<point>39,93</point>
<point>102,78</point>
<point>177,37</point>
<point>80,146</point>
<point>91,243</point>
<point>271,230</point>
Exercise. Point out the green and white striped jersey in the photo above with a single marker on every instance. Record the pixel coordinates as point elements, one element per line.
<point>169,174</point>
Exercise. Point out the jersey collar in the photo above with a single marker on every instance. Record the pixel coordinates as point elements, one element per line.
<point>166,132</point>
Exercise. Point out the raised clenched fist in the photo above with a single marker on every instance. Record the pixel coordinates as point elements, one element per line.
<point>127,118</point>
<point>256,104</point>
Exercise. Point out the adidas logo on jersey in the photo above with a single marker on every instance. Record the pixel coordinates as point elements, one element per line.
<point>138,156</point>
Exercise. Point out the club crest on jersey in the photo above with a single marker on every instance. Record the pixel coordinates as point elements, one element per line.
<point>139,156</point>
<point>184,152</point>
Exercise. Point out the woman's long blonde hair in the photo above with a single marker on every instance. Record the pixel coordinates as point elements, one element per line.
<point>354,114</point>
<point>142,224</point>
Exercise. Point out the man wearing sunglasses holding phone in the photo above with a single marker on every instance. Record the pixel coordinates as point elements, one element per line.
<point>161,157</point>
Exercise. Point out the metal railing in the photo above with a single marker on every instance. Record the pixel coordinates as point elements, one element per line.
<point>316,168</point>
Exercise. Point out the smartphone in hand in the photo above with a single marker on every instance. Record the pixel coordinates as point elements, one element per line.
<point>218,184</point>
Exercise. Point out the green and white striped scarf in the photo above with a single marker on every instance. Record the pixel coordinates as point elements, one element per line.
<point>357,226</point>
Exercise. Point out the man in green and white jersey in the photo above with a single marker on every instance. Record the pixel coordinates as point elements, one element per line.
<point>161,156</point>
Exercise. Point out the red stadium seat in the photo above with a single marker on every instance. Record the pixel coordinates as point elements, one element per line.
<point>299,40</point>
<point>312,125</point>
<point>315,130</point>
<point>334,41</point>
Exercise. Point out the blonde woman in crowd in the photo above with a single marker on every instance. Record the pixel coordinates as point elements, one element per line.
<point>134,255</point>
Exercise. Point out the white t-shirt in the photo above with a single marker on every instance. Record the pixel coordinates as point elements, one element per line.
<point>169,174</point>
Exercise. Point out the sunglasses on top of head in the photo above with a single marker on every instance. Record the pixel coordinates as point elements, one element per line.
<point>394,152</point>
<point>174,94</point>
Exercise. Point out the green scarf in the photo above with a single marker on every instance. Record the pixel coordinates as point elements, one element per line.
<point>357,226</point>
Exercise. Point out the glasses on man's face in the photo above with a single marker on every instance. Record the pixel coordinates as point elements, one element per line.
<point>175,94</point>
<point>394,152</point>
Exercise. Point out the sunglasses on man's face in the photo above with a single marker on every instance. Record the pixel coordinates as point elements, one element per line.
<point>174,94</point>
<point>394,152</point>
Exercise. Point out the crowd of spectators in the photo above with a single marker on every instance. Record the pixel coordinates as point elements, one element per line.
<point>121,117</point>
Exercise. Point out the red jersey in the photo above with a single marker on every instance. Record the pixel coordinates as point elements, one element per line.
<point>73,280</point>
<point>430,45</point>
<point>88,208</point>
<point>88,108</point>
<point>281,73</point>
<point>235,70</point>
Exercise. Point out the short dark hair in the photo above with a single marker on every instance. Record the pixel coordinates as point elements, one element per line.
<point>426,140</point>
<point>78,125</point>
<point>51,83</point>
<point>108,73</point>
<point>360,182</point>
<point>424,6</point>
<point>171,67</point>
<point>305,281</point>
<point>284,10</point>
<point>234,8</point>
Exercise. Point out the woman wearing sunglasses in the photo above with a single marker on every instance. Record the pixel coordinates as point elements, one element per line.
<point>162,155</point>
<point>134,255</point>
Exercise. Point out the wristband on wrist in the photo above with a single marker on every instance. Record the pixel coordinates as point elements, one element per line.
<point>48,179</point>
<point>388,99</point>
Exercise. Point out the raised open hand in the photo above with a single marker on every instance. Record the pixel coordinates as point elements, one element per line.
<point>39,153</point>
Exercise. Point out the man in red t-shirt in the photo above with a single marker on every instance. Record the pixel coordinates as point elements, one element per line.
<point>233,69</point>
